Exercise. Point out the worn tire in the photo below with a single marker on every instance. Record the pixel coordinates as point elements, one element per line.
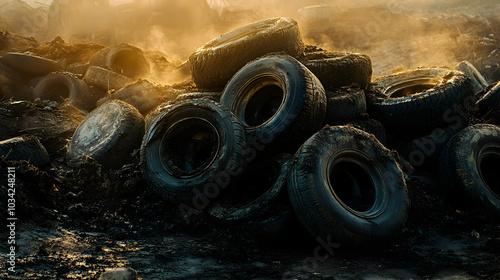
<point>105,79</point>
<point>257,193</point>
<point>371,126</point>
<point>108,134</point>
<point>469,166</point>
<point>124,59</point>
<point>151,116</point>
<point>26,148</point>
<point>478,81</point>
<point>213,64</point>
<point>215,96</point>
<point>351,212</point>
<point>344,105</point>
<point>338,69</point>
<point>30,64</point>
<point>176,171</point>
<point>278,100</point>
<point>62,88</point>
<point>418,99</point>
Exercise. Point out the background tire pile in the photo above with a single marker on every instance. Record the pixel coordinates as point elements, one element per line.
<point>275,126</point>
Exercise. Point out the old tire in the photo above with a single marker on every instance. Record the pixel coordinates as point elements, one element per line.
<point>193,147</point>
<point>337,69</point>
<point>24,148</point>
<point>108,134</point>
<point>213,64</point>
<point>418,99</point>
<point>346,186</point>
<point>278,100</point>
<point>62,88</point>
<point>469,165</point>
<point>215,96</point>
<point>105,79</point>
<point>478,81</point>
<point>124,59</point>
<point>371,126</point>
<point>257,193</point>
<point>30,64</point>
<point>344,105</point>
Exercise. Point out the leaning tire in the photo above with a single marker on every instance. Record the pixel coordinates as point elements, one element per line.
<point>337,69</point>
<point>108,134</point>
<point>194,148</point>
<point>105,79</point>
<point>213,64</point>
<point>30,64</point>
<point>344,105</point>
<point>469,165</point>
<point>418,99</point>
<point>278,100</point>
<point>124,59</point>
<point>62,88</point>
<point>345,185</point>
<point>24,148</point>
<point>259,191</point>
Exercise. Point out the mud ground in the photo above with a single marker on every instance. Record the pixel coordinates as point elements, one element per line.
<point>77,219</point>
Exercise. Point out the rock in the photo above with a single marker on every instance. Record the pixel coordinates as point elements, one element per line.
<point>121,273</point>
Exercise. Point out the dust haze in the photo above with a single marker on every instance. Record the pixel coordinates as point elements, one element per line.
<point>396,34</point>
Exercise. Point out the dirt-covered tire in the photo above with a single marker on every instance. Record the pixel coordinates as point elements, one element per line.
<point>469,165</point>
<point>344,105</point>
<point>215,96</point>
<point>490,100</point>
<point>213,64</point>
<point>478,81</point>
<point>337,69</point>
<point>124,59</point>
<point>24,148</point>
<point>108,134</point>
<point>193,150</point>
<point>417,99</point>
<point>257,193</point>
<point>278,100</point>
<point>151,116</point>
<point>62,88</point>
<point>105,79</point>
<point>143,95</point>
<point>426,149</point>
<point>346,186</point>
<point>30,64</point>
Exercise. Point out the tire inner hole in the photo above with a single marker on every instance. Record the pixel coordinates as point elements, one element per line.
<point>489,172</point>
<point>353,186</point>
<point>263,104</point>
<point>190,146</point>
<point>412,87</point>
<point>58,92</point>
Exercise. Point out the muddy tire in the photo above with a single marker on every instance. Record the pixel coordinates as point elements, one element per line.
<point>24,148</point>
<point>105,79</point>
<point>344,105</point>
<point>418,99</point>
<point>215,96</point>
<point>338,69</point>
<point>469,165</point>
<point>143,95</point>
<point>30,64</point>
<point>278,100</point>
<point>124,59</point>
<point>478,81</point>
<point>108,134</point>
<point>213,64</point>
<point>151,116</point>
<point>345,185</point>
<point>192,151</point>
<point>62,88</point>
<point>427,149</point>
<point>259,190</point>
<point>371,126</point>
